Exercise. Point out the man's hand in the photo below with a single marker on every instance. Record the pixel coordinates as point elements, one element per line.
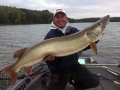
<point>49,58</point>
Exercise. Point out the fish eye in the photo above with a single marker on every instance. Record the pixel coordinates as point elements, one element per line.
<point>99,23</point>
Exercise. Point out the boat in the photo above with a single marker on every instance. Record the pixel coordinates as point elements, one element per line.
<point>107,70</point>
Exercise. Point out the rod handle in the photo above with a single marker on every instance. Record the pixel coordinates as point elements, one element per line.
<point>116,82</point>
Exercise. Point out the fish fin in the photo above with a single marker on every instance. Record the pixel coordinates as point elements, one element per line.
<point>13,75</point>
<point>19,53</point>
<point>27,70</point>
<point>49,58</point>
<point>93,47</point>
<point>92,44</point>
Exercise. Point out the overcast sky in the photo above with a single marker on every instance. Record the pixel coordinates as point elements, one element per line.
<point>75,8</point>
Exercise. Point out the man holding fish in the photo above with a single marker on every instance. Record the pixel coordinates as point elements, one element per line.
<point>64,69</point>
<point>60,50</point>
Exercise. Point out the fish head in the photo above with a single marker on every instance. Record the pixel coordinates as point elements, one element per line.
<point>104,22</point>
<point>96,30</point>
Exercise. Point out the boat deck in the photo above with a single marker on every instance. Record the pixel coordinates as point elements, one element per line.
<point>105,84</point>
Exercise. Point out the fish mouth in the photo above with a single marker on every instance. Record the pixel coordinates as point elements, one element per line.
<point>95,33</point>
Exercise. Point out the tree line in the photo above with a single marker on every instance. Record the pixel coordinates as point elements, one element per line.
<point>13,15</point>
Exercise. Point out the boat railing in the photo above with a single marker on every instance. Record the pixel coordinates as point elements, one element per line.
<point>5,80</point>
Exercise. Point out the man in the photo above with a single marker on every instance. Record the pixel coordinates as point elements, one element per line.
<point>64,69</point>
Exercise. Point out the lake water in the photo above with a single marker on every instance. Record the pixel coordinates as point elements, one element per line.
<point>14,37</point>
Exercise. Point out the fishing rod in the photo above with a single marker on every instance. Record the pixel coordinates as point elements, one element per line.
<point>114,73</point>
<point>111,69</point>
<point>109,79</point>
<point>118,65</point>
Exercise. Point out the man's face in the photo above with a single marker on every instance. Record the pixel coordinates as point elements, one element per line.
<point>60,20</point>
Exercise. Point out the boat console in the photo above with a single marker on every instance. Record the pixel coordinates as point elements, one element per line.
<point>87,60</point>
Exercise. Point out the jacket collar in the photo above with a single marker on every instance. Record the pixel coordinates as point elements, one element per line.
<point>53,26</point>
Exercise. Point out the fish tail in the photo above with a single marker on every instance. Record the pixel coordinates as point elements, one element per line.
<point>12,74</point>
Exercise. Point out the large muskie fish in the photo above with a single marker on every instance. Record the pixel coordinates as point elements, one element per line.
<point>60,46</point>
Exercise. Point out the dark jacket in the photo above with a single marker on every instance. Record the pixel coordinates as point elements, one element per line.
<point>62,64</point>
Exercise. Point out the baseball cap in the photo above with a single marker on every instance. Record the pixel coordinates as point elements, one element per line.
<point>59,10</point>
